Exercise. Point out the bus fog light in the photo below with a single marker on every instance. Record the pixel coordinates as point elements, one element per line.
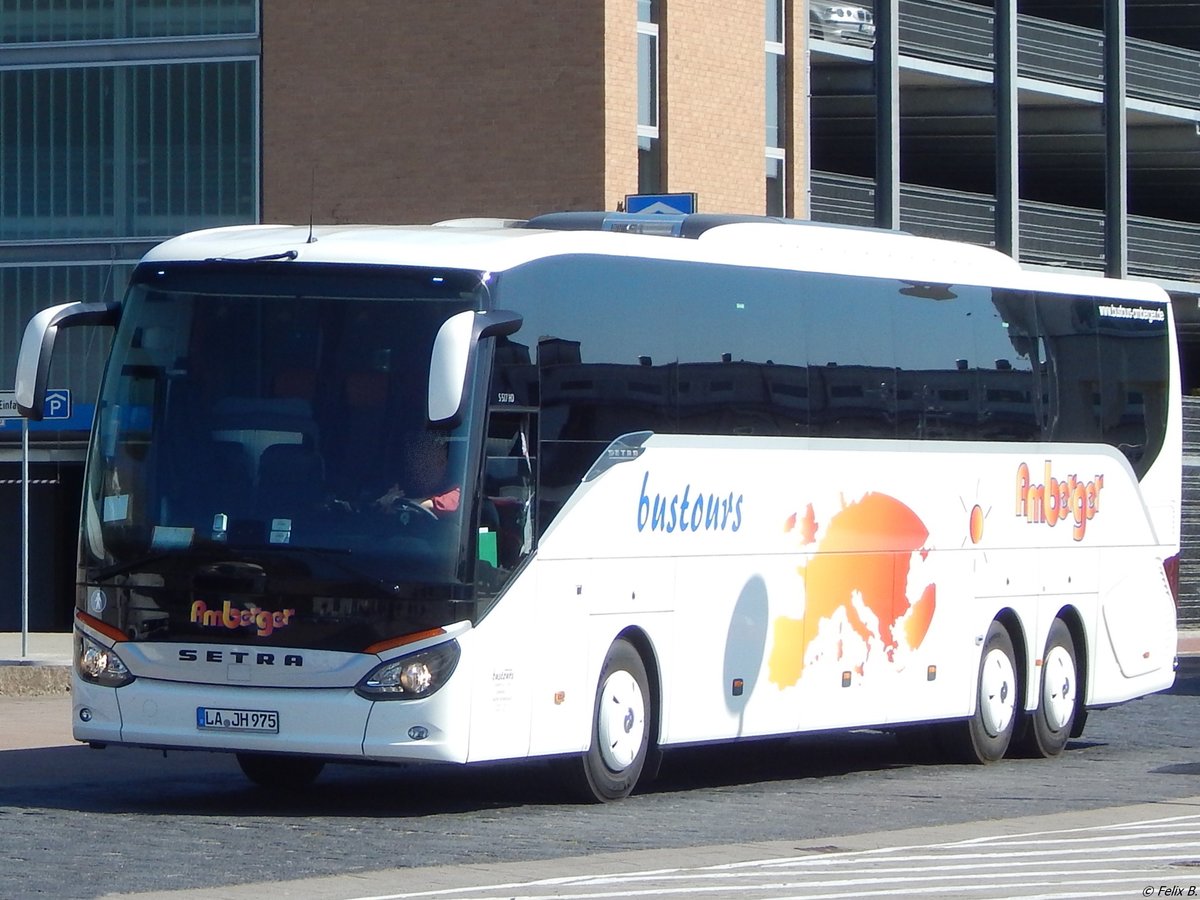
<point>99,664</point>
<point>415,675</point>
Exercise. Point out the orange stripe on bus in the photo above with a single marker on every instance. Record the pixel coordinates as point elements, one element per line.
<point>103,627</point>
<point>391,643</point>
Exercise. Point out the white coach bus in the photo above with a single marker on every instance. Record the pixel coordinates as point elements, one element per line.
<point>591,486</point>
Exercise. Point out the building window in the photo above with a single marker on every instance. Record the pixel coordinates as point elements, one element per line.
<point>649,147</point>
<point>775,22</point>
<point>776,183</point>
<point>777,106</point>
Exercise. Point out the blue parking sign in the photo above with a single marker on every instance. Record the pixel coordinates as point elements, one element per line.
<point>670,204</point>
<point>57,405</point>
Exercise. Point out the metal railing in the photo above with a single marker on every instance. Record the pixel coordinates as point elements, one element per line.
<point>1062,235</point>
<point>961,33</point>
<point>958,33</point>
<point>1159,72</point>
<point>1051,234</point>
<point>1066,54</point>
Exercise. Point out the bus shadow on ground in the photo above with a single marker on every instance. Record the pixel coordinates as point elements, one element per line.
<point>1178,769</point>
<point>126,780</point>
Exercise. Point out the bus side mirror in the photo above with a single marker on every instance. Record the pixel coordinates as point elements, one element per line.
<point>37,348</point>
<point>454,352</point>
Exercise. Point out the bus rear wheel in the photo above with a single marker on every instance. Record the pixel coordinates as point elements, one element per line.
<point>278,773</point>
<point>984,738</point>
<point>621,725</point>
<point>1052,723</point>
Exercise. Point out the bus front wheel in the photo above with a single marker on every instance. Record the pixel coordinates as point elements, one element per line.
<point>280,772</point>
<point>984,738</point>
<point>621,725</point>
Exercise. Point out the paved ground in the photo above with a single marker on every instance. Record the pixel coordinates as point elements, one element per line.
<point>189,822</point>
<point>1091,853</point>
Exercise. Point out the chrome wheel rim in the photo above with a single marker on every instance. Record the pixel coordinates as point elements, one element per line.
<point>997,694</point>
<point>1058,688</point>
<point>622,720</point>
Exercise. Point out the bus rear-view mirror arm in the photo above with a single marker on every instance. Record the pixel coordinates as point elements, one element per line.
<point>452,360</point>
<point>37,348</point>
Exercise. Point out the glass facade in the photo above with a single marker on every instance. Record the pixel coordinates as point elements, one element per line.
<point>127,151</point>
<point>36,21</point>
<point>122,122</point>
<point>80,352</point>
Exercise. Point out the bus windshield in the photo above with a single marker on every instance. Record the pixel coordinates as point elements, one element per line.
<point>275,414</point>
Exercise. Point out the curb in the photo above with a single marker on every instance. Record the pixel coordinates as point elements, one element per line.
<point>21,678</point>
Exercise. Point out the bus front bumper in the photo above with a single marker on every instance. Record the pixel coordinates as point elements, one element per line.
<point>334,723</point>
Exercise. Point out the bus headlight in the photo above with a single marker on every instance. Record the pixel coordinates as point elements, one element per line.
<point>99,664</point>
<point>409,677</point>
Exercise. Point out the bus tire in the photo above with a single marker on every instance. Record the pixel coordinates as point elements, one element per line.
<point>621,723</point>
<point>1052,723</point>
<point>985,737</point>
<point>278,773</point>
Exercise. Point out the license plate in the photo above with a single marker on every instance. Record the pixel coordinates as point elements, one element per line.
<point>262,721</point>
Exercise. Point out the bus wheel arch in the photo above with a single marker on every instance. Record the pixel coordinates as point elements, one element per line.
<point>623,731</point>
<point>1074,623</point>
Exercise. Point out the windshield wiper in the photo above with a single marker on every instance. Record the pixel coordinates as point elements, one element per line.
<point>98,573</point>
<point>332,554</point>
<point>200,554</point>
<point>266,257</point>
<point>223,552</point>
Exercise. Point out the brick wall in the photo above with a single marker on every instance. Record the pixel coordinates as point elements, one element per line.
<point>620,67</point>
<point>713,102</point>
<point>412,112</point>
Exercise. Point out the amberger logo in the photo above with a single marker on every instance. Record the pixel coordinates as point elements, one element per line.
<point>1055,499</point>
<point>229,616</point>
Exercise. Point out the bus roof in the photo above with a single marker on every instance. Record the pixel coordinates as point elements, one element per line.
<point>495,245</point>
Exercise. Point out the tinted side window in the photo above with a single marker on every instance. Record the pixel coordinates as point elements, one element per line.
<point>1108,363</point>
<point>743,344</point>
<point>1134,382</point>
<point>614,345</point>
<point>1066,326</point>
<point>965,371</point>
<point>602,335</point>
<point>851,356</point>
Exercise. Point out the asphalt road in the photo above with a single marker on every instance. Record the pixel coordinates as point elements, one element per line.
<point>75,822</point>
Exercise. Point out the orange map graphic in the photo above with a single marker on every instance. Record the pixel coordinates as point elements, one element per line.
<point>861,563</point>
